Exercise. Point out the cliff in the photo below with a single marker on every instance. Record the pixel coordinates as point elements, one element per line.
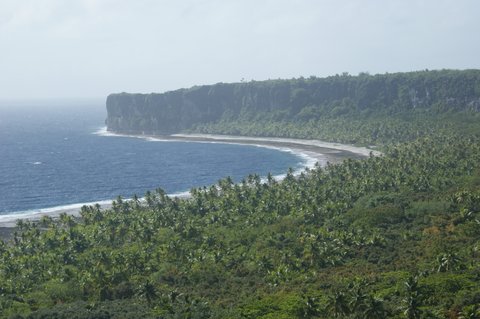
<point>295,100</point>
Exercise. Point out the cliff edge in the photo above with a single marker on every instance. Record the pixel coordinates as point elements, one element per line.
<point>295,100</point>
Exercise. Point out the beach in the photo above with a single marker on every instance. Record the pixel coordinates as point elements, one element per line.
<point>315,148</point>
<point>311,150</point>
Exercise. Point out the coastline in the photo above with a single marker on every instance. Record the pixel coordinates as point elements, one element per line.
<point>312,151</point>
<point>315,147</point>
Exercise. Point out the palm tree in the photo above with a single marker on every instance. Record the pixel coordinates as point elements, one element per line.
<point>470,312</point>
<point>310,307</point>
<point>374,308</point>
<point>337,305</point>
<point>411,308</point>
<point>358,299</point>
<point>66,220</point>
<point>148,291</point>
<point>411,285</point>
<point>448,261</point>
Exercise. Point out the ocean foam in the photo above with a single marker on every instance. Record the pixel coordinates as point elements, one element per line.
<point>10,220</point>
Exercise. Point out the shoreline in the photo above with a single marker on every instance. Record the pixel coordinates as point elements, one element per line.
<point>319,150</point>
<point>316,147</point>
<point>312,151</point>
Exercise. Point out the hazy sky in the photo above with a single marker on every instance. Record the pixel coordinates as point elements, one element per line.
<point>90,48</point>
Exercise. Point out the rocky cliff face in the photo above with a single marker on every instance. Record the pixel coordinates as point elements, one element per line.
<point>178,110</point>
<point>295,100</point>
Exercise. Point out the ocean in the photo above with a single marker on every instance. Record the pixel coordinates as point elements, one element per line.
<point>56,155</point>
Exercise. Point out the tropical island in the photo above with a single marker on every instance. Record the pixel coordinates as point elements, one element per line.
<point>395,235</point>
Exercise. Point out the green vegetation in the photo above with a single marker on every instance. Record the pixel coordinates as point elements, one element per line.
<point>393,236</point>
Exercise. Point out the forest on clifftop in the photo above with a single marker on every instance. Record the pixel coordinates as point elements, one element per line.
<point>390,236</point>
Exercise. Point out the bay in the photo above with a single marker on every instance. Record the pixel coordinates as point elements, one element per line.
<point>51,155</point>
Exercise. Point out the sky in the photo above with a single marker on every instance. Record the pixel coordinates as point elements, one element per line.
<point>55,49</point>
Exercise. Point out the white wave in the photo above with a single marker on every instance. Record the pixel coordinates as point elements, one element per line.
<point>155,139</point>
<point>185,194</point>
<point>10,219</point>
<point>104,132</point>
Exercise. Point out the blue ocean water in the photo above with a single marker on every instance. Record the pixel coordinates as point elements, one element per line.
<point>50,157</point>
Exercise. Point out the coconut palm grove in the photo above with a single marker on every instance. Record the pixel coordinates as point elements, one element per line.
<point>389,236</point>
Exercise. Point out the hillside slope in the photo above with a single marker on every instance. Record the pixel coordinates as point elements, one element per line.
<point>390,236</point>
